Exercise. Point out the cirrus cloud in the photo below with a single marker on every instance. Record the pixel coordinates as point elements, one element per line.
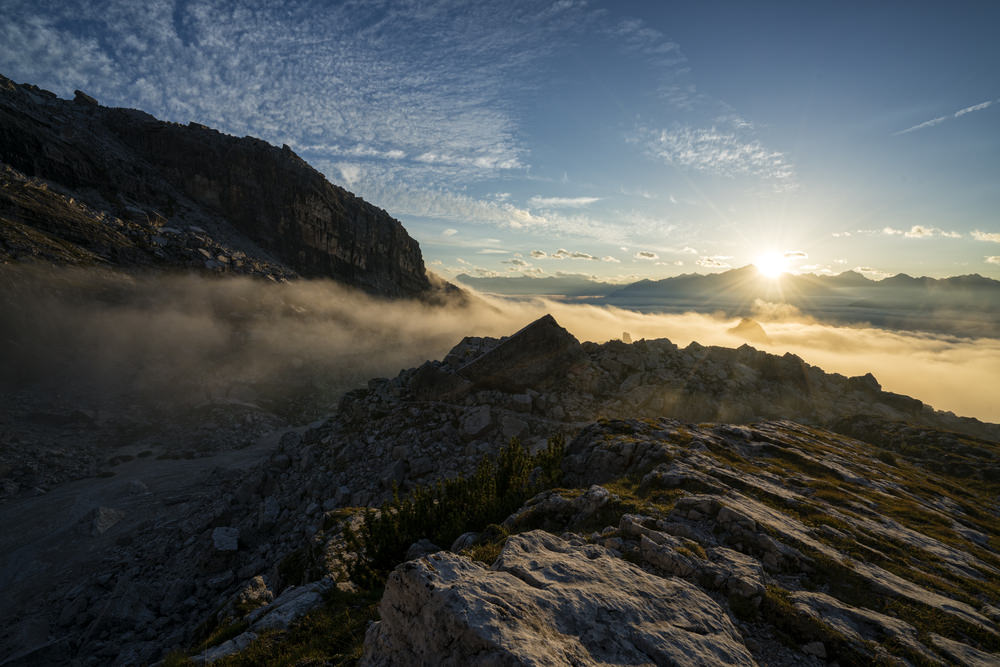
<point>719,152</point>
<point>562,202</point>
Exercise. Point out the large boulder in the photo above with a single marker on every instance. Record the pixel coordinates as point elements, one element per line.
<point>546,601</point>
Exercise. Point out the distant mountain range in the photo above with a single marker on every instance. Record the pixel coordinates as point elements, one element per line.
<point>966,305</point>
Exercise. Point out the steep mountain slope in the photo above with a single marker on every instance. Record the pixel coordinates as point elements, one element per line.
<point>130,189</point>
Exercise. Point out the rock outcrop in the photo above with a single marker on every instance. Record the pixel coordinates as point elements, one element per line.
<point>801,541</point>
<point>145,184</point>
<point>547,601</point>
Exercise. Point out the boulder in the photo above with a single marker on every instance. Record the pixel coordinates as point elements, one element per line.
<point>546,601</point>
<point>226,538</point>
<point>104,519</point>
<point>290,605</point>
<point>476,421</point>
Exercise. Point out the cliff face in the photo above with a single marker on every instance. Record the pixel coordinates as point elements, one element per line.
<point>118,159</point>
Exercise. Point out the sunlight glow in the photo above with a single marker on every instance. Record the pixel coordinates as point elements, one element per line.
<point>771,265</point>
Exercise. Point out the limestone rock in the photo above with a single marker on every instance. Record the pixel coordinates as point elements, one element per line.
<point>421,548</point>
<point>226,538</point>
<point>476,421</point>
<point>858,624</point>
<point>546,602</point>
<point>290,605</point>
<point>964,654</point>
<point>104,519</point>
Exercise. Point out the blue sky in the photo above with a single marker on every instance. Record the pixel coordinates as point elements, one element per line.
<point>621,140</point>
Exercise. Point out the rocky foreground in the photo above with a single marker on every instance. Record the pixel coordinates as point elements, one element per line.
<point>829,522</point>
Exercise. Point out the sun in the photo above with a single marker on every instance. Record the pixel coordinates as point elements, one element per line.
<point>771,265</point>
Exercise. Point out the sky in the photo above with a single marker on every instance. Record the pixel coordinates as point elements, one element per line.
<point>619,140</point>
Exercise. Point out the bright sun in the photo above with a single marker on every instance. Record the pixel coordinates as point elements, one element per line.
<point>771,265</point>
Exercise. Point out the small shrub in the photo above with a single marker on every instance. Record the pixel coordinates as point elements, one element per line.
<point>443,511</point>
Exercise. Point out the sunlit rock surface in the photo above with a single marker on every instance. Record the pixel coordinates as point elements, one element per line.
<point>547,601</point>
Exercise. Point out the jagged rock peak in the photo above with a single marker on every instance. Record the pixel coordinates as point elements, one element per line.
<point>526,359</point>
<point>750,330</point>
<point>189,174</point>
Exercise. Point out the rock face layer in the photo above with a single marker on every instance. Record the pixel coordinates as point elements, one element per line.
<point>118,159</point>
<point>547,601</point>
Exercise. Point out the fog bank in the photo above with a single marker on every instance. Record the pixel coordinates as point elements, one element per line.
<point>167,341</point>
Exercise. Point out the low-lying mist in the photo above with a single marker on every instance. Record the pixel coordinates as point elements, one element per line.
<point>101,339</point>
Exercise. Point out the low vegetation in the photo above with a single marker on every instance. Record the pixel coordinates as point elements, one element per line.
<point>442,512</point>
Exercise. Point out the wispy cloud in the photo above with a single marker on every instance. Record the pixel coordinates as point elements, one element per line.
<point>974,107</point>
<point>562,202</point>
<point>714,262</point>
<point>664,55</point>
<point>872,273</point>
<point>927,123</point>
<point>940,119</point>
<point>993,259</point>
<point>986,236</point>
<point>646,254</point>
<point>423,195</point>
<point>718,151</point>
<point>562,253</point>
<point>920,232</point>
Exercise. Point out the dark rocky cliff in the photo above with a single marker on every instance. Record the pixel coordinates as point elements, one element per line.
<point>117,160</point>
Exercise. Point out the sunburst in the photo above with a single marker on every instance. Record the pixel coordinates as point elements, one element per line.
<point>771,265</point>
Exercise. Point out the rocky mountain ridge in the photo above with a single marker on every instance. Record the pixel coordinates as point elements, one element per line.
<point>794,544</point>
<point>88,184</point>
